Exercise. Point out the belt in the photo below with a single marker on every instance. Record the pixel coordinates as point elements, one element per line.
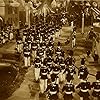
<point>53,92</point>
<point>81,72</point>
<point>44,73</point>
<point>49,62</point>
<point>84,90</point>
<point>41,53</point>
<point>37,63</point>
<point>55,72</point>
<point>97,90</point>
<point>58,52</point>
<point>62,64</point>
<point>68,92</point>
<point>34,47</point>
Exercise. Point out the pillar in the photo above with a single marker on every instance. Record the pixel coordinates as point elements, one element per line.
<point>28,15</point>
<point>82,23</point>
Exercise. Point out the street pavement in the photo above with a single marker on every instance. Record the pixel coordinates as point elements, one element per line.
<point>29,89</point>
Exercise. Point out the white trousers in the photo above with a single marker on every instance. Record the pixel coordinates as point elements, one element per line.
<point>11,36</point>
<point>27,61</point>
<point>24,37</point>
<point>61,76</point>
<point>37,73</point>
<point>73,42</point>
<point>43,85</point>
<point>19,48</point>
<point>33,54</point>
<point>3,41</point>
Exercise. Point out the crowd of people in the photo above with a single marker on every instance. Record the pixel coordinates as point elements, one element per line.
<point>6,34</point>
<point>51,67</point>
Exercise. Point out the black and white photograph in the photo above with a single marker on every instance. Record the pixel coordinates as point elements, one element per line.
<point>49,49</point>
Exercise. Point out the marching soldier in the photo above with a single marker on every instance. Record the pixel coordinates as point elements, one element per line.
<point>43,78</point>
<point>56,71</point>
<point>84,87</point>
<point>52,90</point>
<point>68,90</point>
<point>69,58</point>
<point>83,71</point>
<point>91,34</point>
<point>96,87</point>
<point>59,49</point>
<point>70,71</point>
<point>34,47</point>
<point>24,35</point>
<point>27,56</point>
<point>19,45</point>
<point>37,65</point>
<point>62,75</point>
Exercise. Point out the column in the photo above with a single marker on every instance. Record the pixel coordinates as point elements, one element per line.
<point>83,23</point>
<point>27,15</point>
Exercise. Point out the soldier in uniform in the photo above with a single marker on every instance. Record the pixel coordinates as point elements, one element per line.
<point>59,49</point>
<point>68,90</point>
<point>84,87</point>
<point>52,90</point>
<point>69,58</point>
<point>34,47</point>
<point>91,34</point>
<point>83,71</point>
<point>70,71</point>
<point>43,78</point>
<point>19,45</point>
<point>37,65</point>
<point>96,87</point>
<point>24,35</point>
<point>56,71</point>
<point>27,56</point>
